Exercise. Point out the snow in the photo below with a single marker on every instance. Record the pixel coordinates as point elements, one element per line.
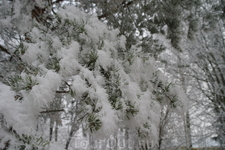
<point>122,42</point>
<point>107,114</point>
<point>56,146</point>
<point>68,64</point>
<point>40,3</point>
<point>79,86</point>
<point>5,136</point>
<point>36,54</point>
<point>43,93</point>
<point>9,107</point>
<point>57,44</point>
<point>104,60</point>
<point>73,14</point>
<point>136,77</point>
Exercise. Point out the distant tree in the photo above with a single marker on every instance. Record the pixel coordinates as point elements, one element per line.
<point>205,44</point>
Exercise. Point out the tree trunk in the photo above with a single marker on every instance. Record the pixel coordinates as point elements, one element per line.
<point>51,129</point>
<point>187,128</point>
<point>56,132</point>
<point>69,139</point>
<point>187,124</point>
<point>74,129</point>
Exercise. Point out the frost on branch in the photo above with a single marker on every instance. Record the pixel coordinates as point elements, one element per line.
<point>79,57</point>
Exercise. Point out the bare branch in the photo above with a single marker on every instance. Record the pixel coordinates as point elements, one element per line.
<point>62,91</point>
<point>52,111</point>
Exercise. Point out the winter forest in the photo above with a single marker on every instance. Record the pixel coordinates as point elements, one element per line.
<point>112,74</point>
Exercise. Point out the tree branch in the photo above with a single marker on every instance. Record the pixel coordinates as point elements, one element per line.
<point>4,50</point>
<point>57,1</point>
<point>52,111</point>
<point>62,91</point>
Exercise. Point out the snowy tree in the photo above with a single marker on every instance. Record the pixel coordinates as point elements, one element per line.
<point>201,38</point>
<point>69,61</point>
<point>206,48</point>
<point>195,27</point>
